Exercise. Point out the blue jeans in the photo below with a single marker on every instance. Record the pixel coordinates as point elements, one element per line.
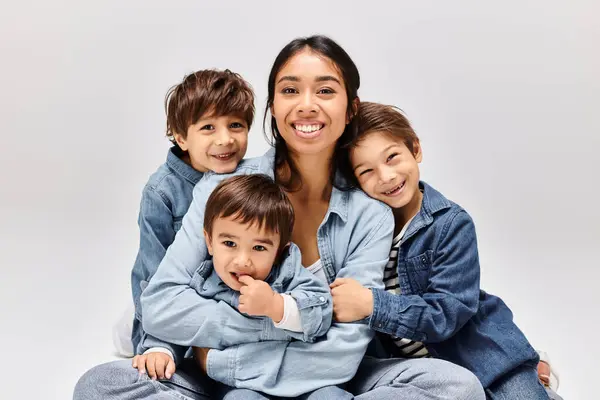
<point>326,393</point>
<point>423,378</point>
<point>520,384</point>
<point>376,379</point>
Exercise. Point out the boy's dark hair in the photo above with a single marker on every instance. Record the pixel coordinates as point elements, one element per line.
<point>328,48</point>
<point>376,117</point>
<point>207,91</point>
<point>252,199</point>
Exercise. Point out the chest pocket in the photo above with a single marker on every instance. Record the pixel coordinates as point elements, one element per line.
<point>177,223</point>
<point>418,269</point>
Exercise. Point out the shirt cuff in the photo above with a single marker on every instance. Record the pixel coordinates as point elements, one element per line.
<point>291,315</point>
<point>159,350</point>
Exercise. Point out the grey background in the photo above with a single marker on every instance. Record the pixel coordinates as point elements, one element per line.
<point>503,95</point>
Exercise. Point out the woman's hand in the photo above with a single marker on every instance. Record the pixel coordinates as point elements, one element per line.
<point>201,355</point>
<point>351,300</point>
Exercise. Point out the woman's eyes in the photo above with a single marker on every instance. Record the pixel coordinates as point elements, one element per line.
<point>326,91</point>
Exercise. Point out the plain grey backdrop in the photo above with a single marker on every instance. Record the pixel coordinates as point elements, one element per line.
<point>504,96</point>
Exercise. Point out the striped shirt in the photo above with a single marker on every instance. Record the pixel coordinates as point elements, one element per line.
<point>403,347</point>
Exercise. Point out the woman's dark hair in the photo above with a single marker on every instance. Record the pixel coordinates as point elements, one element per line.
<point>326,47</point>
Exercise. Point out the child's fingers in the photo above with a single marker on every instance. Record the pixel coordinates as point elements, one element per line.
<point>246,279</point>
<point>151,367</point>
<point>134,361</point>
<point>170,369</point>
<point>141,364</point>
<point>161,365</point>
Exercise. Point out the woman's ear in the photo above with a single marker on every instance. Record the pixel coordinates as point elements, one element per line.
<point>355,105</point>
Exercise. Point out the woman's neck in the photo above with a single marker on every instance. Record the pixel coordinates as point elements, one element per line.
<point>315,174</point>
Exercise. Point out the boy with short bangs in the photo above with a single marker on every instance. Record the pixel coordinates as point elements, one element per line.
<point>248,225</point>
<point>209,115</point>
<point>432,277</point>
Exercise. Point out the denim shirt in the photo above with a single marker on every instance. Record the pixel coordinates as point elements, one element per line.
<point>165,200</point>
<point>311,294</point>
<point>441,303</point>
<point>353,240</point>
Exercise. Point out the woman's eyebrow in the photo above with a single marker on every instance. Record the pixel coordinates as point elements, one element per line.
<point>327,78</point>
<point>289,78</point>
<point>321,78</point>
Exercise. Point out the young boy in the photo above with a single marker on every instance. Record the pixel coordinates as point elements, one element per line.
<point>208,117</point>
<point>248,224</point>
<point>432,278</point>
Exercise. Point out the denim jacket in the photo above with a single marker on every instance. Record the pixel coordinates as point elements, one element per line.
<point>312,296</point>
<point>165,200</point>
<point>353,241</point>
<point>441,303</point>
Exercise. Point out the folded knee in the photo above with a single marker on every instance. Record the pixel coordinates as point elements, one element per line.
<point>98,382</point>
<point>467,386</point>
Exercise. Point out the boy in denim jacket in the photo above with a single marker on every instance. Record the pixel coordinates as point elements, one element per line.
<point>248,224</point>
<point>209,115</point>
<point>432,305</point>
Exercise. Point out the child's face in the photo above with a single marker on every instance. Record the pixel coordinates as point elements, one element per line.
<point>215,143</point>
<point>241,249</point>
<point>386,169</point>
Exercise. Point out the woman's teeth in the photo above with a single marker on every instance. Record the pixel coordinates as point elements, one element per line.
<point>308,128</point>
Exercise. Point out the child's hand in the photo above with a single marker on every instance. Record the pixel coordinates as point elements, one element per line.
<point>351,300</point>
<point>159,365</point>
<point>258,299</point>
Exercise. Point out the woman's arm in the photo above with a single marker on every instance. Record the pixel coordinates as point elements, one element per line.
<point>452,295</point>
<point>287,369</point>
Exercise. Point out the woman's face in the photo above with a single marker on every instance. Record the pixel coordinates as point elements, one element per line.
<point>310,104</point>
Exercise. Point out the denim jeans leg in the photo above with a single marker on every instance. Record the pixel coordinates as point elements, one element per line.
<point>520,384</point>
<point>327,393</point>
<point>118,380</point>
<point>415,379</point>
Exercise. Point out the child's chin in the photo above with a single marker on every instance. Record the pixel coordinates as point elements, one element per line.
<point>225,169</point>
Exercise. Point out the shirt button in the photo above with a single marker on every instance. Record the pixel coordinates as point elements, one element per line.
<point>380,325</point>
<point>322,298</point>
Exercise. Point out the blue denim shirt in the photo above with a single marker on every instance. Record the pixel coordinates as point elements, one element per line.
<point>441,303</point>
<point>353,240</point>
<point>311,294</point>
<point>165,200</point>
